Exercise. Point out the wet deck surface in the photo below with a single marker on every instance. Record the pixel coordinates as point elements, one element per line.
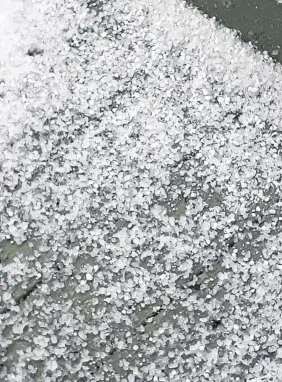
<point>258,21</point>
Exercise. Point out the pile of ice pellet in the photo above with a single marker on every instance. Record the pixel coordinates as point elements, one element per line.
<point>140,196</point>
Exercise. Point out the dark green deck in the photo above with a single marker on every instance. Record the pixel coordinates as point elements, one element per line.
<point>257,21</point>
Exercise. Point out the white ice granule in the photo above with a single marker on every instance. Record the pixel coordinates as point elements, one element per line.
<point>52,365</point>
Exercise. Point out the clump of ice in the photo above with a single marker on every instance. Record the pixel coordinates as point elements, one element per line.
<point>7,9</point>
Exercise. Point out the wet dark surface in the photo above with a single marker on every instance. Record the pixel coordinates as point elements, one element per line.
<point>258,21</point>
